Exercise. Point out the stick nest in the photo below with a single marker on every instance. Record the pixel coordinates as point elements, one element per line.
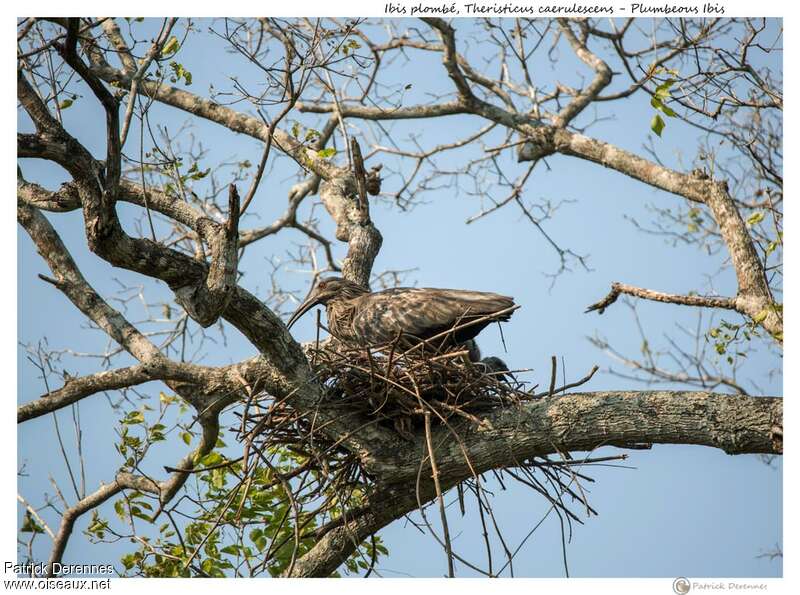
<point>400,388</point>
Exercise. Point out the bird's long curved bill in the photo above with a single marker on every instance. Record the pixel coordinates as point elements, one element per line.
<point>310,302</point>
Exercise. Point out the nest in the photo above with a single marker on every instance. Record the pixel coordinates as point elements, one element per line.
<point>396,388</point>
<point>404,389</point>
<point>401,387</point>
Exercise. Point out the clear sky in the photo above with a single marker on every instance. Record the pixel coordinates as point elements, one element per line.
<point>679,510</point>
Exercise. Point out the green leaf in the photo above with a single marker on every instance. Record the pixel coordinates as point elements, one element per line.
<point>29,525</point>
<point>351,45</point>
<point>180,73</point>
<point>657,124</point>
<point>186,437</point>
<point>326,153</point>
<point>662,90</point>
<point>755,218</point>
<point>201,174</point>
<point>129,561</point>
<point>668,111</point>
<point>211,458</point>
<point>172,46</point>
<point>662,107</point>
<point>134,417</point>
<point>761,316</point>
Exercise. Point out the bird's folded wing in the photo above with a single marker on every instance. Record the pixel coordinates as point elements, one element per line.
<point>421,312</point>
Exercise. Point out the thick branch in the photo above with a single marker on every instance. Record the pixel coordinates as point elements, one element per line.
<point>754,298</point>
<point>450,58</point>
<point>340,199</point>
<point>71,515</point>
<point>350,110</point>
<point>225,116</point>
<point>547,140</point>
<point>75,389</point>
<point>585,421</point>
<point>553,425</point>
<point>282,371</point>
<point>70,280</point>
<point>206,302</point>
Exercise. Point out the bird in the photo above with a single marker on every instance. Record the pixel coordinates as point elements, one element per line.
<point>405,316</point>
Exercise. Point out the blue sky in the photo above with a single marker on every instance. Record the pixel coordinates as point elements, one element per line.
<point>681,510</point>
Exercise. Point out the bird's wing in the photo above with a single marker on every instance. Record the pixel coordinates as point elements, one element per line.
<point>421,312</point>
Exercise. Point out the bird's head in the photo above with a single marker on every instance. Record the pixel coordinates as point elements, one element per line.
<point>325,291</point>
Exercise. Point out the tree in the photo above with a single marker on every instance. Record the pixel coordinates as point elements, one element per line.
<point>315,482</point>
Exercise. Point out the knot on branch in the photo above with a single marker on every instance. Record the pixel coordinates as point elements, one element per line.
<point>374,180</point>
<point>338,197</point>
<point>540,143</point>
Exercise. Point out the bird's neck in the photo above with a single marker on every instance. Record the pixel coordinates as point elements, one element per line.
<point>349,292</point>
<point>340,318</point>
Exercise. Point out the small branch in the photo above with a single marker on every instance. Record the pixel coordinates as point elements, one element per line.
<point>553,390</point>
<point>618,289</point>
<point>155,49</point>
<point>294,94</point>
<point>435,471</point>
<point>585,96</point>
<point>553,367</point>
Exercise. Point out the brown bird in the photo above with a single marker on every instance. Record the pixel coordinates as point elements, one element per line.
<point>407,314</point>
